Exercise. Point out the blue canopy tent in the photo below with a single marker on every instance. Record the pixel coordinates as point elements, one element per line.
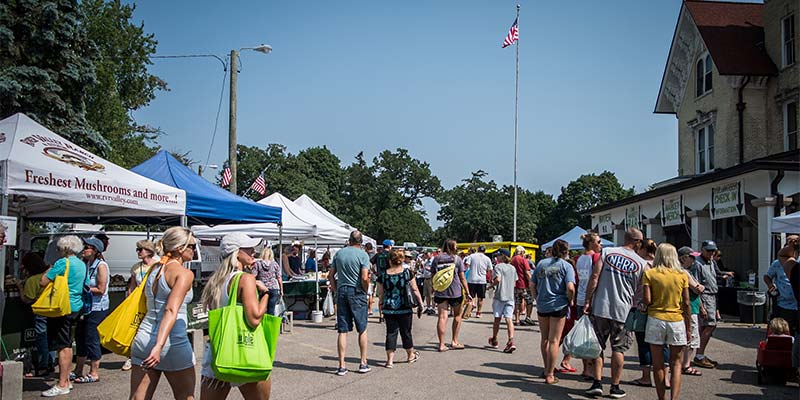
<point>206,203</point>
<point>573,237</point>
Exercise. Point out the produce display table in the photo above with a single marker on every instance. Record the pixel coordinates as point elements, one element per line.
<point>300,295</point>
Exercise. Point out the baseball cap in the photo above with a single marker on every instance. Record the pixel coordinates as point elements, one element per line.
<point>504,252</point>
<point>709,245</point>
<point>388,242</point>
<point>94,242</point>
<point>295,243</point>
<point>234,241</point>
<point>687,251</point>
<point>408,253</point>
<point>481,248</point>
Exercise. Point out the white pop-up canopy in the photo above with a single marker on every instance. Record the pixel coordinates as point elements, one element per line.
<point>51,178</point>
<point>787,223</point>
<point>320,212</point>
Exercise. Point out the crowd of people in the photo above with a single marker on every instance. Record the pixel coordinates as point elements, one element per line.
<point>660,297</point>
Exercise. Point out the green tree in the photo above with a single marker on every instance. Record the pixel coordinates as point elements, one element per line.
<point>123,83</point>
<point>581,195</point>
<point>478,209</point>
<point>46,67</point>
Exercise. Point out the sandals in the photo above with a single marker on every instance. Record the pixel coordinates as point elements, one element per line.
<point>555,381</point>
<point>87,379</point>
<point>568,369</point>
<point>416,357</point>
<point>692,371</point>
<point>638,382</point>
<point>457,346</point>
<point>387,365</point>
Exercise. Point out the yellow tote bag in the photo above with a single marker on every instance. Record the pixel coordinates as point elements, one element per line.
<point>54,300</point>
<point>119,328</point>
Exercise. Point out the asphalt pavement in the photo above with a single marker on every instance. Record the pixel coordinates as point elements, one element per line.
<point>306,362</point>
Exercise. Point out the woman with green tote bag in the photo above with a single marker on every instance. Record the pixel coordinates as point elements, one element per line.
<point>225,286</point>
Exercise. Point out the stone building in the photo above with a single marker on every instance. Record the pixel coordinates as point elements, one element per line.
<point>732,80</point>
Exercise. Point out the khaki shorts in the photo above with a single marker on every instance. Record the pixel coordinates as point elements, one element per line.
<point>695,342</point>
<point>522,294</point>
<point>710,304</point>
<point>660,332</point>
<point>427,288</point>
<point>608,329</point>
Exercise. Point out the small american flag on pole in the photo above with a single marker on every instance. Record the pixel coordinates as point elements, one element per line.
<point>226,177</point>
<point>513,35</point>
<point>259,185</point>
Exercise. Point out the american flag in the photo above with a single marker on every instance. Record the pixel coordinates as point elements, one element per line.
<point>513,35</point>
<point>226,177</point>
<point>259,185</point>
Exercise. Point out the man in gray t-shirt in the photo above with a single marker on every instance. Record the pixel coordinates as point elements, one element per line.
<point>349,280</point>
<point>609,296</point>
<point>704,272</point>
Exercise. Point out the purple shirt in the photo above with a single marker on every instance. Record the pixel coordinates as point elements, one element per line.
<point>443,260</point>
<point>269,273</point>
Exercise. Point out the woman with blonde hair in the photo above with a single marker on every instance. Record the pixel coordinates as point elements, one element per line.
<point>268,278</point>
<point>161,343</point>
<point>237,250</point>
<point>666,295</point>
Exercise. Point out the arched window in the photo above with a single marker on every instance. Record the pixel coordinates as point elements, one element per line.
<point>703,84</point>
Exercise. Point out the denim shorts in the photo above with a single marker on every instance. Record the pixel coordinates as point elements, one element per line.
<point>351,304</point>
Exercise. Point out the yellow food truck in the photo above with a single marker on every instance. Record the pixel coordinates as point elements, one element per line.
<point>491,247</point>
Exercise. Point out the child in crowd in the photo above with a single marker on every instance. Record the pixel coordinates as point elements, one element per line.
<point>778,327</point>
<point>503,278</point>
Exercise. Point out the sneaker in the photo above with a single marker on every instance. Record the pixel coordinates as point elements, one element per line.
<point>616,392</point>
<point>595,390</point>
<point>529,322</point>
<point>704,363</point>
<point>493,343</point>
<point>127,365</point>
<point>510,347</point>
<point>55,390</point>
<point>341,371</point>
<point>364,368</point>
<point>711,361</point>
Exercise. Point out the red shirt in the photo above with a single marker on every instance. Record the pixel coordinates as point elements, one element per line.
<point>521,265</point>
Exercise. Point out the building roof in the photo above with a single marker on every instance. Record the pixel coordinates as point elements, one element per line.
<point>734,35</point>
<point>788,161</point>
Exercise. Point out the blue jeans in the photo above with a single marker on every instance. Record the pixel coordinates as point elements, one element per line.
<point>351,309</point>
<point>43,358</point>
<point>272,301</point>
<point>87,340</point>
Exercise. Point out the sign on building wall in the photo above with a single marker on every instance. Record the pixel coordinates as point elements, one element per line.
<point>604,224</point>
<point>633,217</point>
<point>727,200</point>
<point>672,211</point>
<point>9,226</point>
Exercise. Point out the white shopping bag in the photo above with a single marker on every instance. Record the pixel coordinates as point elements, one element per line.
<point>280,308</point>
<point>582,341</point>
<point>327,305</point>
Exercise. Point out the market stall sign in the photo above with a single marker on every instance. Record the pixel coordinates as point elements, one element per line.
<point>10,225</point>
<point>672,211</point>
<point>604,224</point>
<point>633,217</point>
<point>727,200</point>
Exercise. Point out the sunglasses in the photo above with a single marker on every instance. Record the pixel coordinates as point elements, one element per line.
<point>192,246</point>
<point>138,249</point>
<point>88,248</point>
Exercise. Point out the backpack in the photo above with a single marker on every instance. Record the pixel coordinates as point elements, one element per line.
<point>443,278</point>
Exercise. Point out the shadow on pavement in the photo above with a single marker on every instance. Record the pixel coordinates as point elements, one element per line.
<point>523,384</point>
<point>747,338</point>
<point>305,367</point>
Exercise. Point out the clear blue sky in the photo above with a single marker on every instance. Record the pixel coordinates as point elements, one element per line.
<point>429,76</point>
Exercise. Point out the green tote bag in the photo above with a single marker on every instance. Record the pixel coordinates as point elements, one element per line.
<point>239,353</point>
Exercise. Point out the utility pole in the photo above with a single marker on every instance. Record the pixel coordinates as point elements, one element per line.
<point>232,121</point>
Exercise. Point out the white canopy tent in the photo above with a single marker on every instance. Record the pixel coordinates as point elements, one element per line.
<point>47,177</point>
<point>787,223</point>
<point>298,224</point>
<point>317,210</point>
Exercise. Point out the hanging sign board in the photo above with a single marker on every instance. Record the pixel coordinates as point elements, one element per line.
<point>604,224</point>
<point>633,218</point>
<point>672,211</point>
<point>727,200</point>
<point>10,225</point>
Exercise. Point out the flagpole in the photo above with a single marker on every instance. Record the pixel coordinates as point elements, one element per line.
<point>251,185</point>
<point>516,124</point>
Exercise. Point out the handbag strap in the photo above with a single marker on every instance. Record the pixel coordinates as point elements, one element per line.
<point>234,290</point>
<point>66,268</point>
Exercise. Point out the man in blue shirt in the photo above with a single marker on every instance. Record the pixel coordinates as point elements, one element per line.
<point>349,281</point>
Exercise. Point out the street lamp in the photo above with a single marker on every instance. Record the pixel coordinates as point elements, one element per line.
<point>200,168</point>
<point>232,162</point>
